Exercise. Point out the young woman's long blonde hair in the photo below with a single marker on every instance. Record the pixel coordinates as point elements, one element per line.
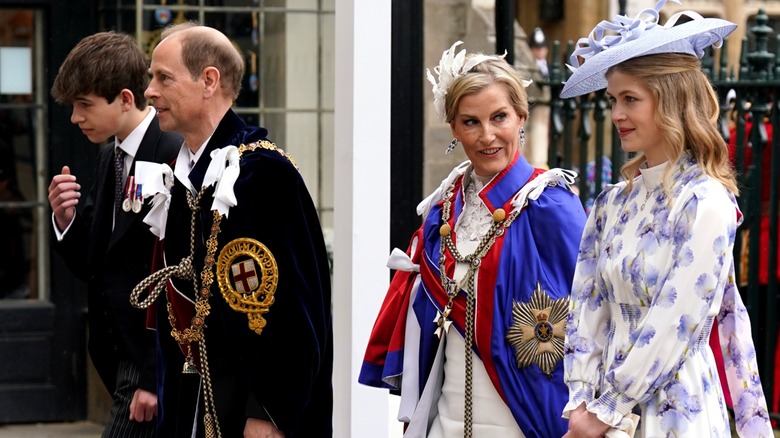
<point>686,112</point>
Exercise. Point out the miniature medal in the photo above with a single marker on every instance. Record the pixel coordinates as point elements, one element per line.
<point>137,200</point>
<point>127,203</point>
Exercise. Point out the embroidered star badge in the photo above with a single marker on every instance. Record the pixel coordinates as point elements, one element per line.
<point>538,330</point>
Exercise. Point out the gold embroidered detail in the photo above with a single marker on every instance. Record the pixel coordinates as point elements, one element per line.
<point>265,144</point>
<point>247,275</point>
<point>538,331</point>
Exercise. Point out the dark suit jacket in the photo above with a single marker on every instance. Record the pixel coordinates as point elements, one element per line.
<point>283,374</point>
<point>113,262</point>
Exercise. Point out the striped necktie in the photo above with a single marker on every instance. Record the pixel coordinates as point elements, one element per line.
<point>119,173</point>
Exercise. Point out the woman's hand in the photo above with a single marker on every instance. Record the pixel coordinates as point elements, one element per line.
<point>584,424</point>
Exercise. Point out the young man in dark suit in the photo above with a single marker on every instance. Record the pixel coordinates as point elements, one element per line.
<point>105,242</point>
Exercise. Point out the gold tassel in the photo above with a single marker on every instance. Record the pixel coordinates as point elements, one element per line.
<point>208,423</point>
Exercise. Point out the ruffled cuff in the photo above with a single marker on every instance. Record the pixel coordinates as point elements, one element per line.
<point>579,392</point>
<point>612,407</point>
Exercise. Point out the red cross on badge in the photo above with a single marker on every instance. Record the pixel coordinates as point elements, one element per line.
<point>245,276</point>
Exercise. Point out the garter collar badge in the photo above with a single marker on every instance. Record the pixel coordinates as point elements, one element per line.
<point>247,276</point>
<point>265,144</point>
<point>538,330</point>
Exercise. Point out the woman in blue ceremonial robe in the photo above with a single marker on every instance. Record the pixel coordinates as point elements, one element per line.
<point>471,331</point>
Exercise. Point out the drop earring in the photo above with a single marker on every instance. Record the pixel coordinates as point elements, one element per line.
<point>522,136</point>
<point>451,146</point>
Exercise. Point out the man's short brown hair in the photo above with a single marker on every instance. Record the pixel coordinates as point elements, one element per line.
<point>104,64</point>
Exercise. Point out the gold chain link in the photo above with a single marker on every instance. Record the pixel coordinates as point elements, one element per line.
<point>473,260</point>
<point>194,333</point>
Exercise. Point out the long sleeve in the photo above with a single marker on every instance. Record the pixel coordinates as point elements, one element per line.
<point>655,269</point>
<point>679,319</point>
<point>585,338</point>
<point>77,243</point>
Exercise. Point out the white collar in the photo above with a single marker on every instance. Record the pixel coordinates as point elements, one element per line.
<point>182,169</point>
<point>196,156</point>
<point>133,141</point>
<point>653,177</point>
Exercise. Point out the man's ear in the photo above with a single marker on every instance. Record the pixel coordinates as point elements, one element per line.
<point>126,99</point>
<point>211,78</point>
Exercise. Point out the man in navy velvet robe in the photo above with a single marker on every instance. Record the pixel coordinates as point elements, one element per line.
<point>266,373</point>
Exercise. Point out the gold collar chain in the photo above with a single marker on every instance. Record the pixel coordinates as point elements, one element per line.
<point>194,332</point>
<point>497,229</point>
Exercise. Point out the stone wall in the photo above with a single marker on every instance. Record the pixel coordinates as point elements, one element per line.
<point>472,22</point>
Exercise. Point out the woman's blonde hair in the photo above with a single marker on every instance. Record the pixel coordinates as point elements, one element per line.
<point>486,73</point>
<point>686,112</point>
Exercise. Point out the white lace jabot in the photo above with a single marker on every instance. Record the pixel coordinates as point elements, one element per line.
<point>475,220</point>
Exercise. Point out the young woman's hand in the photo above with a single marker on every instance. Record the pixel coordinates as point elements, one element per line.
<point>584,424</point>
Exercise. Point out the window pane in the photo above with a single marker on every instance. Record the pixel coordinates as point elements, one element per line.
<point>20,160</point>
<point>172,2</point>
<point>275,123</point>
<point>327,60</point>
<point>272,61</point>
<point>297,4</point>
<point>325,203</point>
<point>233,3</point>
<point>17,138</point>
<point>15,48</point>
<point>16,235</point>
<point>301,59</point>
<point>302,144</point>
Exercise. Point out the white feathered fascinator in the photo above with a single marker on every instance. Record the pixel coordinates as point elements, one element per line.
<point>451,67</point>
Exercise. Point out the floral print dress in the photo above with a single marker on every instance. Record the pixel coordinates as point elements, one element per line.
<point>654,270</point>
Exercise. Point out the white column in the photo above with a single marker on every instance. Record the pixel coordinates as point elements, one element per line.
<point>362,207</point>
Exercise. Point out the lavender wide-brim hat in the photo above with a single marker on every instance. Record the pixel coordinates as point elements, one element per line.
<point>640,36</point>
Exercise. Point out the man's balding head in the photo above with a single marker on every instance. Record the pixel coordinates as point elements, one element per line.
<point>203,46</point>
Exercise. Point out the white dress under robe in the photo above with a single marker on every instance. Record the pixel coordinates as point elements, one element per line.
<point>491,416</point>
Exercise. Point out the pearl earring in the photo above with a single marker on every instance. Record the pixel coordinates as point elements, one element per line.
<point>522,136</point>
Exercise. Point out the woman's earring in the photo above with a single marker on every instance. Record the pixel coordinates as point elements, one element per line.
<point>451,146</point>
<point>522,136</point>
